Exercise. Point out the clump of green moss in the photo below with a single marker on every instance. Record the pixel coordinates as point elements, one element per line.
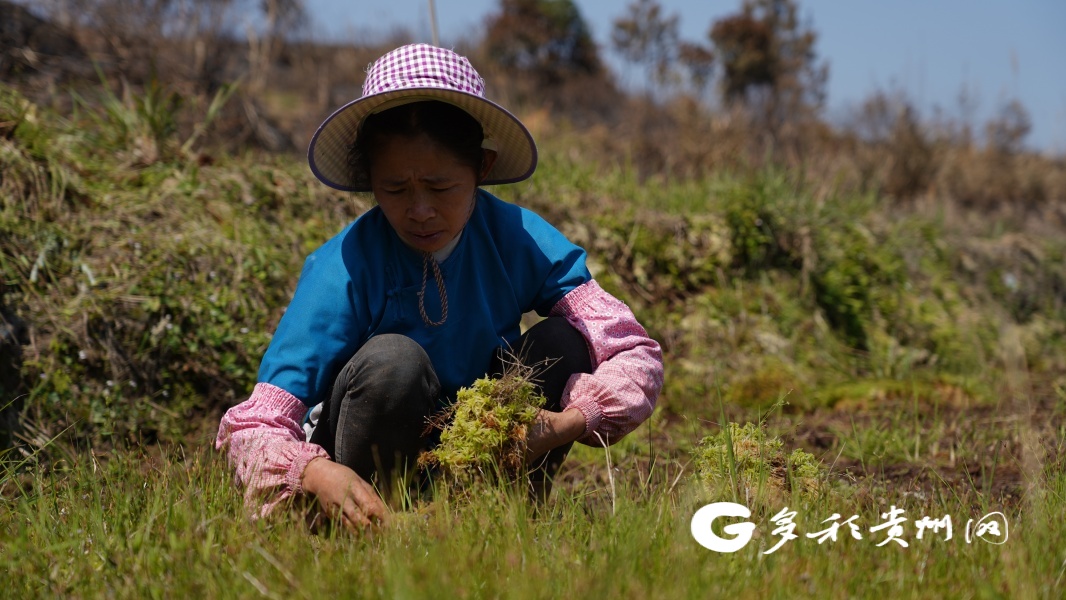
<point>763,469</point>
<point>484,431</point>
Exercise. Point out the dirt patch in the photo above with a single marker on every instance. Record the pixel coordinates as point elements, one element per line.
<point>964,452</point>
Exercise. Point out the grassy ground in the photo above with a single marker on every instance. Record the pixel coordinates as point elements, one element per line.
<point>167,523</point>
<point>918,353</point>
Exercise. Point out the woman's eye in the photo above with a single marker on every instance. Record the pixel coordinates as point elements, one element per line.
<point>443,189</point>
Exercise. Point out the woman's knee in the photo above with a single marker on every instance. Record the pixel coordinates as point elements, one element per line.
<point>380,403</point>
<point>392,372</point>
<point>394,355</point>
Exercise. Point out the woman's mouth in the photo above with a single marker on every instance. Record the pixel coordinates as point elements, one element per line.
<point>425,239</point>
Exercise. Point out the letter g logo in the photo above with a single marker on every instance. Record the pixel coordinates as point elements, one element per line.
<point>702,532</point>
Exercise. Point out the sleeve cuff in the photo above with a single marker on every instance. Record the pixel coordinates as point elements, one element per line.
<point>589,407</point>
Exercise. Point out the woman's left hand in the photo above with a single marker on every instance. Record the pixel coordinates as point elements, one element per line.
<point>551,430</point>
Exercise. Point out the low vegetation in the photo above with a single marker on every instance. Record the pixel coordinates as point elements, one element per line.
<point>756,465</point>
<point>483,434</point>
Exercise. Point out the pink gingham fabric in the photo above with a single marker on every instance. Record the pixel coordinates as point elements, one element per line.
<point>266,444</point>
<point>413,73</point>
<point>423,66</point>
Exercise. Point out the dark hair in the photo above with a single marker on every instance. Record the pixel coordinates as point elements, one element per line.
<point>446,124</point>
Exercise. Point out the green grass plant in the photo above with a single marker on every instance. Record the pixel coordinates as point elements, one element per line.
<point>747,457</point>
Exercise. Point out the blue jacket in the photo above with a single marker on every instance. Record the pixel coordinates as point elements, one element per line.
<point>365,282</point>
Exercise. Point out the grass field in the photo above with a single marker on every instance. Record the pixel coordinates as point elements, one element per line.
<point>918,353</point>
<point>166,523</point>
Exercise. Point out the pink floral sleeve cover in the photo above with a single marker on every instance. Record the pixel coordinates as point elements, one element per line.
<point>621,391</point>
<point>266,443</point>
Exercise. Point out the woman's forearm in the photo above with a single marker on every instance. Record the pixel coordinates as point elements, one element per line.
<point>553,429</point>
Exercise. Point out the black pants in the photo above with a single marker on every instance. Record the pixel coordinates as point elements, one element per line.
<point>375,419</point>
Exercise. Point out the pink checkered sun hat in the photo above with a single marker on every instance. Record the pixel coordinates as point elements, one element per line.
<point>410,74</point>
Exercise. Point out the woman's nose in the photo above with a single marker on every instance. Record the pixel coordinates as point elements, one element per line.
<point>421,208</point>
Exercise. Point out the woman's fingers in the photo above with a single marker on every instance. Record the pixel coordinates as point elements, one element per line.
<point>369,503</point>
<point>344,495</point>
<point>354,519</point>
<point>362,509</point>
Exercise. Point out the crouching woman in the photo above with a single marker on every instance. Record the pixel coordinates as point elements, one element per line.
<point>421,295</point>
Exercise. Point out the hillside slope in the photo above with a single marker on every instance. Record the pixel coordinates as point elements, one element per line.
<point>142,277</point>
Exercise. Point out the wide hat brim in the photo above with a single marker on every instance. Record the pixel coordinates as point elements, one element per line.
<point>516,152</point>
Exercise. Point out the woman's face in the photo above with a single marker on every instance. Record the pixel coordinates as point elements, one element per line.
<point>425,191</point>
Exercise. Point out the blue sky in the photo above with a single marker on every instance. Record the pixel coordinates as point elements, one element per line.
<point>931,49</point>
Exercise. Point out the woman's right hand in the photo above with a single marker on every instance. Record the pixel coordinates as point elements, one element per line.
<point>344,494</point>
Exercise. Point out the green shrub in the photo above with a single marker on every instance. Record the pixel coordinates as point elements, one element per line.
<point>148,289</point>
